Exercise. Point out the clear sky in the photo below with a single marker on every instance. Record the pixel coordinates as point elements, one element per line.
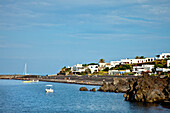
<point>49,34</point>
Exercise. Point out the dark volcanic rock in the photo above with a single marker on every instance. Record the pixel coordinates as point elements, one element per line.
<point>118,85</point>
<point>148,89</point>
<point>93,89</point>
<point>83,89</point>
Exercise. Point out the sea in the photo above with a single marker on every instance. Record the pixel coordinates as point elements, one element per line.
<point>18,97</point>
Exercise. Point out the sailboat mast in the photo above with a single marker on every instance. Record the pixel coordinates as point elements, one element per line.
<point>25,69</point>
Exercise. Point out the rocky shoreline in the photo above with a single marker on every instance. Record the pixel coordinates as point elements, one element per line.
<point>137,89</point>
<point>149,89</point>
<point>118,85</point>
<point>143,89</point>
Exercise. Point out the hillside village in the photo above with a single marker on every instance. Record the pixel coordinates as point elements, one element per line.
<point>158,65</point>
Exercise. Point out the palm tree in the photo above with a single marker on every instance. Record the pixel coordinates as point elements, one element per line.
<point>101,61</point>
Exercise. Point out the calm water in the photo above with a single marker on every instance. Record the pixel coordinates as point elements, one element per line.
<point>16,96</point>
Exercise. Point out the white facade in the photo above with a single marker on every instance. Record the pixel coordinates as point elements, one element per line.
<point>93,68</point>
<point>119,72</point>
<point>163,69</point>
<point>108,65</point>
<point>114,63</point>
<point>162,56</point>
<point>78,68</point>
<point>144,68</point>
<point>168,63</point>
<point>102,65</point>
<point>132,61</point>
<point>148,67</point>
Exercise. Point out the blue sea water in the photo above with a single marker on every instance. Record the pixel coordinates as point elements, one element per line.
<point>17,97</point>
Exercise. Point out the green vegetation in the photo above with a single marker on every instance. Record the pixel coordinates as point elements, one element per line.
<point>168,57</point>
<point>130,73</point>
<point>141,57</point>
<point>93,64</point>
<point>84,65</point>
<point>160,63</point>
<point>64,67</point>
<point>88,71</point>
<point>106,69</point>
<point>123,67</point>
<point>137,57</point>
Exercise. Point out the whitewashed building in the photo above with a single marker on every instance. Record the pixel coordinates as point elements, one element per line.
<point>93,68</point>
<point>102,65</point>
<point>163,56</point>
<point>159,70</point>
<point>118,72</point>
<point>108,65</point>
<point>114,63</point>
<point>144,68</point>
<point>78,68</point>
<point>132,61</point>
<point>168,63</point>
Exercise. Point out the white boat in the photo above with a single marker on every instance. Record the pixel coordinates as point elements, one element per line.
<point>35,81</point>
<point>49,90</point>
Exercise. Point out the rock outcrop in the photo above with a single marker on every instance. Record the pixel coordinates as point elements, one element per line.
<point>148,89</point>
<point>93,89</point>
<point>118,85</point>
<point>83,89</point>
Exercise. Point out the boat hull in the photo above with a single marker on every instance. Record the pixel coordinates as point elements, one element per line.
<point>26,81</point>
<point>49,90</point>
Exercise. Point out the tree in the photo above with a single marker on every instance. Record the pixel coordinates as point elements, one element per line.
<point>142,57</point>
<point>85,65</point>
<point>101,61</point>
<point>87,71</point>
<point>168,57</point>
<point>123,67</point>
<point>159,65</point>
<point>93,64</point>
<point>106,69</point>
<point>64,67</point>
<point>137,57</point>
<point>153,70</point>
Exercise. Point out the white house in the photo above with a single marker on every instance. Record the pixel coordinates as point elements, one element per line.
<point>102,65</point>
<point>159,70</point>
<point>144,68</point>
<point>114,63</point>
<point>108,65</point>
<point>163,56</point>
<point>118,72</point>
<point>132,61</point>
<point>77,68</point>
<point>168,63</point>
<point>93,68</point>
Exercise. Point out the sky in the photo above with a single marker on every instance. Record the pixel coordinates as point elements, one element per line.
<point>50,34</point>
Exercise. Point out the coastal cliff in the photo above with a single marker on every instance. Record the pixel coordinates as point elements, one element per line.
<point>148,89</point>
<point>118,85</point>
<point>141,89</point>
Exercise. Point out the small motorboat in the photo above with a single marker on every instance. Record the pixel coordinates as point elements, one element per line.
<point>35,81</point>
<point>49,90</point>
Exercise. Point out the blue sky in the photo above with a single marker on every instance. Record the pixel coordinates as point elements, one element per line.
<point>50,34</point>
